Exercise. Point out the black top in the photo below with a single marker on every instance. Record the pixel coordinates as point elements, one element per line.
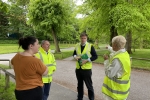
<point>93,53</point>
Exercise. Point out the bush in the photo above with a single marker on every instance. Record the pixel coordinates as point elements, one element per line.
<point>6,94</point>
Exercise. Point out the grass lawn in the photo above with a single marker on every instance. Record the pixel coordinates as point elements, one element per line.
<point>4,66</point>
<point>63,55</point>
<point>139,53</point>
<point>6,94</point>
<point>11,48</point>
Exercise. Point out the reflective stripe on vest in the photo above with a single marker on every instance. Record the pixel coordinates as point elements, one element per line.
<point>119,81</point>
<point>115,91</point>
<point>41,56</point>
<point>48,65</point>
<point>47,76</point>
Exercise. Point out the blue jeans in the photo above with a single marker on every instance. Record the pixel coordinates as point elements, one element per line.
<point>46,89</point>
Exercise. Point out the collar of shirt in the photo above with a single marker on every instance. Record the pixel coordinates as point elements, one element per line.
<point>46,52</point>
<point>117,52</point>
<point>83,44</point>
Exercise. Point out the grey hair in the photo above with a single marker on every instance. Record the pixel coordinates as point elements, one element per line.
<point>43,41</point>
<point>120,41</point>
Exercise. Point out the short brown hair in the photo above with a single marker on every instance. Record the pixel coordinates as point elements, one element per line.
<point>83,34</point>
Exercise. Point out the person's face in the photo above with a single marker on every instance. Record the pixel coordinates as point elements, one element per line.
<point>83,39</point>
<point>46,46</point>
<point>35,47</point>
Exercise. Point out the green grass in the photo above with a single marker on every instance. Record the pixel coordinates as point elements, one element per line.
<point>11,48</point>
<point>4,66</point>
<point>6,94</point>
<point>139,64</point>
<point>63,55</point>
<point>143,53</point>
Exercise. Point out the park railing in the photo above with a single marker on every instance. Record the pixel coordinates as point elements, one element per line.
<point>7,74</point>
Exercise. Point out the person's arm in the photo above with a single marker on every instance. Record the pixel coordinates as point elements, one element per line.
<point>41,68</point>
<point>46,72</point>
<point>75,55</point>
<point>114,69</point>
<point>93,53</point>
<point>110,49</point>
<point>54,63</point>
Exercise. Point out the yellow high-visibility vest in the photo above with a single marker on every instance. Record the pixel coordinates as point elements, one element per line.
<point>87,50</point>
<point>118,88</point>
<point>49,61</point>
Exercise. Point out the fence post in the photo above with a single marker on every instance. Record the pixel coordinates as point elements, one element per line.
<point>0,73</point>
<point>6,81</point>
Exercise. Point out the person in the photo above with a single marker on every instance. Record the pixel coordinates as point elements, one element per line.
<point>84,66</point>
<point>116,83</point>
<point>48,59</point>
<point>28,70</point>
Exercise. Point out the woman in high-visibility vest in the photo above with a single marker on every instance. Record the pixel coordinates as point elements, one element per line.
<point>116,83</point>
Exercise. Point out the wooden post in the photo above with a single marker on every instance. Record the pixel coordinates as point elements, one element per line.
<point>9,64</point>
<point>6,81</point>
<point>0,73</point>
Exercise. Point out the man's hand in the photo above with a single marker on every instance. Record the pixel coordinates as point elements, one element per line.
<point>77,58</point>
<point>84,62</point>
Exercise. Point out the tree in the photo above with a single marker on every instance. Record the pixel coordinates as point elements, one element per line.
<point>113,17</point>
<point>3,18</point>
<point>17,20</point>
<point>50,16</point>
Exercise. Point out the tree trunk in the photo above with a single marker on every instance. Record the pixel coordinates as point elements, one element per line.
<point>57,49</point>
<point>129,42</point>
<point>113,33</point>
<point>141,43</point>
<point>96,43</point>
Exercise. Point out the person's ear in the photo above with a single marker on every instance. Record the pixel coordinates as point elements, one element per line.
<point>30,46</point>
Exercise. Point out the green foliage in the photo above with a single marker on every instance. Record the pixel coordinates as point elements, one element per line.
<point>20,2</point>
<point>18,19</point>
<point>3,6</point>
<point>48,15</point>
<point>3,18</point>
<point>124,15</point>
<point>6,94</point>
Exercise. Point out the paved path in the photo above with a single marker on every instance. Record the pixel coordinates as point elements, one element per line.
<point>140,80</point>
<point>65,77</point>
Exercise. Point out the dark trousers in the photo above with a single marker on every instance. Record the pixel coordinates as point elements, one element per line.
<point>46,88</point>
<point>84,76</point>
<point>31,94</point>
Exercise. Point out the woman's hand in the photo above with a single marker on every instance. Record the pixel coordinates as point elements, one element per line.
<point>106,57</point>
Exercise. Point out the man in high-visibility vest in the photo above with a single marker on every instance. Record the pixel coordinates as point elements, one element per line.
<point>48,59</point>
<point>84,53</point>
<point>116,83</point>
